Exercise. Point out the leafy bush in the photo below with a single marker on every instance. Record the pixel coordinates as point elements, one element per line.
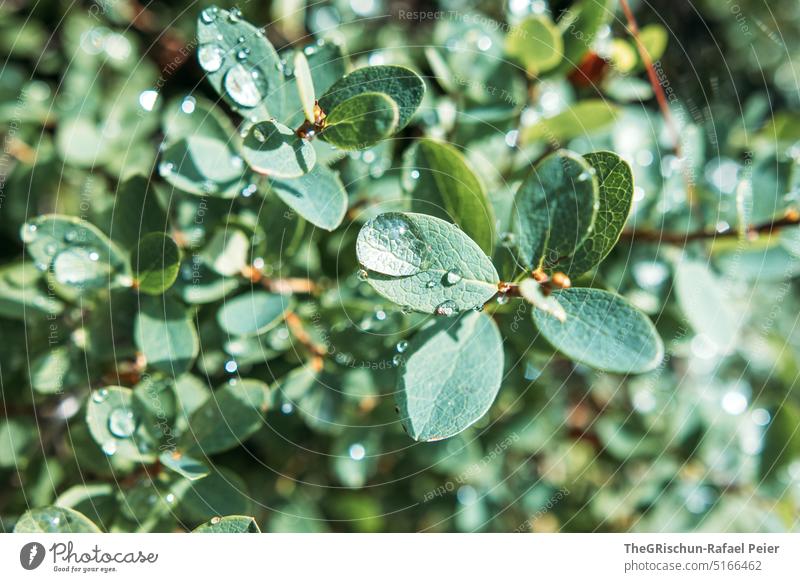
<point>248,289</point>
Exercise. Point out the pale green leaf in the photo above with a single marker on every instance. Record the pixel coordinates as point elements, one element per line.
<point>319,196</point>
<point>252,313</point>
<point>425,263</point>
<point>305,85</point>
<point>116,426</point>
<point>166,335</point>
<point>54,520</point>
<point>536,42</point>
<point>602,330</point>
<point>582,119</point>
<point>450,376</point>
<point>275,150</point>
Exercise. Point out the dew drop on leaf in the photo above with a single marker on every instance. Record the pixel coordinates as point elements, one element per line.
<point>215,520</point>
<point>397,360</point>
<point>210,57</point>
<point>109,447</point>
<point>402,346</point>
<point>100,395</point>
<point>430,284</point>
<point>452,277</point>
<point>208,15</point>
<point>241,87</point>
<point>121,423</point>
<point>447,308</point>
<point>29,234</point>
<point>235,15</point>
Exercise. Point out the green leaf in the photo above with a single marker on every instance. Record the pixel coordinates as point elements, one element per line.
<point>183,465</point>
<point>22,293</point>
<point>49,371</point>
<point>273,149</point>
<point>704,301</point>
<point>135,213</point>
<point>228,250</point>
<point>17,437</point>
<point>616,198</point>
<point>319,196</point>
<point>223,492</point>
<point>425,263</point>
<point>555,208</point>
<point>582,119</point>
<point>532,292</point>
<point>116,426</point>
<point>450,377</point>
<point>252,313</point>
<point>229,524</point>
<point>165,334</point>
<point>602,330</point>
<point>54,520</point>
<point>361,121</point>
<point>96,501</point>
<point>156,263</point>
<point>240,63</point>
<point>654,38</point>
<point>536,42</point>
<point>579,29</point>
<point>203,165</point>
<point>442,184</point>
<point>79,255</point>
<point>402,85</point>
<point>305,85</point>
<point>227,419</point>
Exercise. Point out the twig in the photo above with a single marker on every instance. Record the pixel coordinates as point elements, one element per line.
<point>792,218</point>
<point>282,286</point>
<point>661,98</point>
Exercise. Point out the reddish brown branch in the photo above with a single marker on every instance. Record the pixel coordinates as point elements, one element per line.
<point>792,218</point>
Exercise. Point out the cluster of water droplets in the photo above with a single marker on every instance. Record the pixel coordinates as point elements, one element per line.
<point>121,423</point>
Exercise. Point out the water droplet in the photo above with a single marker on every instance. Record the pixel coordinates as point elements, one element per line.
<point>584,176</point>
<point>50,248</point>
<point>430,284</point>
<point>241,87</point>
<point>380,315</point>
<point>259,135</point>
<point>208,15</point>
<point>286,408</point>
<point>502,299</point>
<point>242,54</point>
<point>452,277</point>
<point>71,236</point>
<point>357,451</point>
<point>237,162</point>
<point>188,105</point>
<point>249,190</point>
<point>235,15</point>
<point>56,520</point>
<point>208,186</point>
<point>165,168</point>
<point>147,99</point>
<point>447,308</point>
<point>240,40</point>
<point>363,275</point>
<point>29,233</point>
<point>121,423</point>
<point>94,256</point>
<point>231,366</point>
<point>414,174</point>
<point>170,498</point>
<point>402,346</point>
<point>484,43</point>
<point>100,395</point>
<point>210,57</point>
<point>397,360</point>
<point>109,447</point>
<point>215,520</point>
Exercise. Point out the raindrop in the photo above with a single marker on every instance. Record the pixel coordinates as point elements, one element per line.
<point>242,54</point>
<point>414,174</point>
<point>121,423</point>
<point>208,15</point>
<point>165,168</point>
<point>29,234</point>
<point>231,366</point>
<point>452,277</point>
<point>100,395</point>
<point>249,190</point>
<point>71,236</point>
<point>507,239</point>
<point>170,498</point>
<point>484,43</point>
<point>235,15</point>
<point>147,99</point>
<point>241,86</point>
<point>584,176</point>
<point>210,57</point>
<point>215,520</point>
<point>94,256</point>
<point>402,346</point>
<point>286,408</point>
<point>380,315</point>
<point>357,451</point>
<point>109,447</point>
<point>397,360</point>
<point>502,299</point>
<point>447,308</point>
<point>188,105</point>
<point>430,284</point>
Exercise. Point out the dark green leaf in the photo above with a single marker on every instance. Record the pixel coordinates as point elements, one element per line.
<point>54,520</point>
<point>361,121</point>
<point>156,262</point>
<point>318,196</point>
<point>273,149</point>
<point>166,336</point>
<point>252,313</point>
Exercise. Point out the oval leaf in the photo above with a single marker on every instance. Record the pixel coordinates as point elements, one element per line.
<point>442,184</point>
<point>602,330</point>
<point>402,85</point>
<point>425,263</point>
<point>361,121</point>
<point>166,335</point>
<point>115,425</point>
<point>319,196</point>
<point>536,42</point>
<point>305,85</point>
<point>156,263</point>
<point>273,149</point>
<point>252,313</point>
<point>616,197</point>
<point>450,377</point>
<point>54,520</point>
<point>555,208</point>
